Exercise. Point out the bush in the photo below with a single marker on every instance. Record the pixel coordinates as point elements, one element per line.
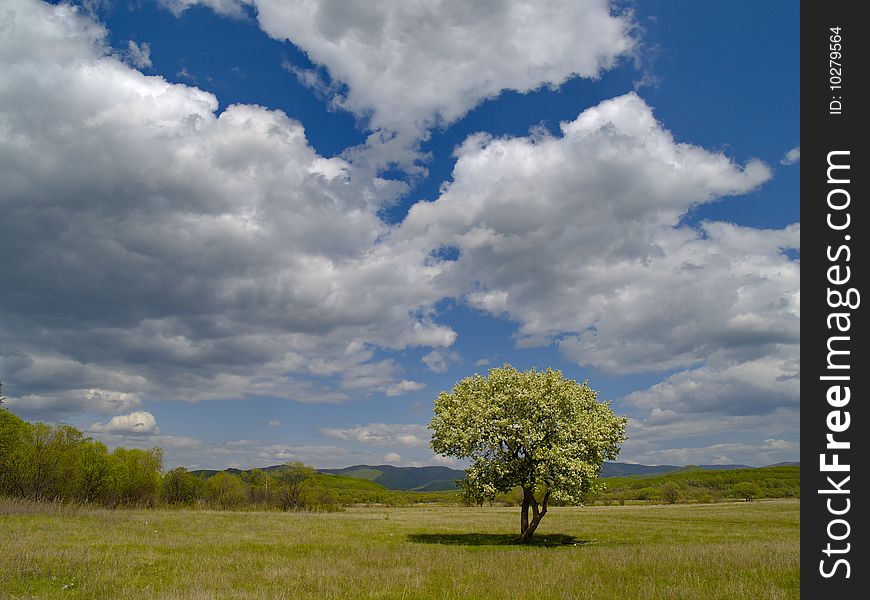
<point>181,487</point>
<point>226,490</point>
<point>646,493</point>
<point>670,492</point>
<point>747,490</point>
<point>292,482</point>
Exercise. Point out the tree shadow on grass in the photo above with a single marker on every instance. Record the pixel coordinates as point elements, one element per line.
<point>494,539</point>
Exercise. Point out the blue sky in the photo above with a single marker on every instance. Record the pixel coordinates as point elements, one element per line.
<point>251,232</point>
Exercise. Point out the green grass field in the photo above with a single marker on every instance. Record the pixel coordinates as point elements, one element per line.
<point>727,551</point>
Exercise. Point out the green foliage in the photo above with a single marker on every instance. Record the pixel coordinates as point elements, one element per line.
<point>293,481</point>
<point>341,482</point>
<point>748,490</point>
<point>257,485</point>
<point>13,431</point>
<point>328,492</point>
<point>369,474</point>
<point>45,462</point>
<point>59,463</point>
<point>136,475</point>
<point>671,492</point>
<point>533,429</point>
<point>536,430</point>
<point>699,485</point>
<point>226,490</point>
<point>182,487</point>
<point>432,478</point>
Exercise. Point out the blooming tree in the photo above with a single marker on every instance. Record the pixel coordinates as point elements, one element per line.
<point>533,429</point>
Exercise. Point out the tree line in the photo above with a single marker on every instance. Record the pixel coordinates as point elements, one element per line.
<point>699,485</point>
<point>44,462</point>
<point>58,462</point>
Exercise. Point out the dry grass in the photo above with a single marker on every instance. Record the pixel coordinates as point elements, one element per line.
<point>741,550</point>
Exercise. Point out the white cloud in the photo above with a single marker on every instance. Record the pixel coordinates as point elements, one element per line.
<point>49,384</point>
<point>274,423</point>
<point>392,458</point>
<point>61,403</point>
<point>439,361</point>
<point>446,461</point>
<point>157,249</point>
<point>651,438</point>
<point>408,65</point>
<point>792,156</point>
<point>578,239</point>
<point>754,454</point>
<point>383,434</point>
<point>403,387</point>
<point>244,454</point>
<point>229,8</point>
<point>181,253</point>
<point>751,387</point>
<point>136,423</point>
<point>138,55</point>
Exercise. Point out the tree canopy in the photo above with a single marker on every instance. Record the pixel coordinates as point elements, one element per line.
<point>534,429</point>
<point>58,462</point>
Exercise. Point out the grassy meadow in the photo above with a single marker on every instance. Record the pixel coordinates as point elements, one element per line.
<point>699,551</point>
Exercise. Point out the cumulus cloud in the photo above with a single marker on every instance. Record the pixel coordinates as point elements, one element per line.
<point>405,67</point>
<point>694,432</point>
<point>155,248</point>
<point>403,387</point>
<point>180,253</point>
<point>754,454</point>
<point>383,434</point>
<point>136,423</point>
<point>274,423</point>
<point>578,238</point>
<point>419,62</point>
<point>392,457</point>
<point>792,156</point>
<point>59,403</point>
<point>439,361</point>
<point>752,387</point>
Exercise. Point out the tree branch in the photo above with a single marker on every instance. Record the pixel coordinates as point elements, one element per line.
<point>544,503</point>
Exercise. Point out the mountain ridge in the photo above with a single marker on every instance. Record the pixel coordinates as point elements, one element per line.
<point>439,478</point>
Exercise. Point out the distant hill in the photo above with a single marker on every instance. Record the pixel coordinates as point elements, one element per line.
<point>701,484</point>
<point>615,469</point>
<point>325,480</point>
<point>418,479</point>
<point>714,467</point>
<point>438,479</point>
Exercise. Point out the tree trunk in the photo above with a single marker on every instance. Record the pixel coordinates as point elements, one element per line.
<point>524,513</point>
<point>527,528</point>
